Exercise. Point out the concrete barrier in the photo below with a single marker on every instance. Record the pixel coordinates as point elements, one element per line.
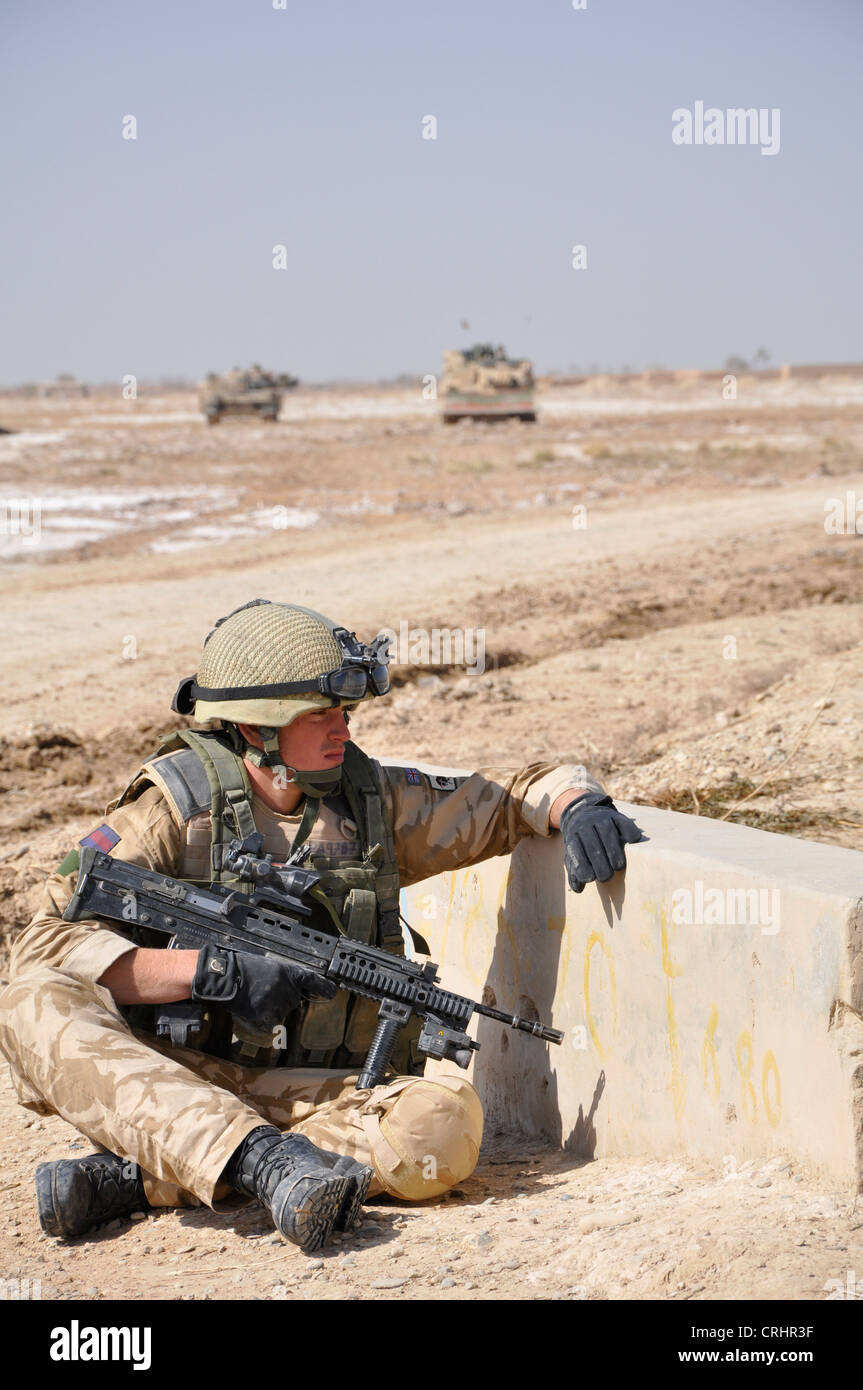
<point>712,995</point>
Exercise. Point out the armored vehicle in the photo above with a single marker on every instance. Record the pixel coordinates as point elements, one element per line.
<point>252,392</point>
<point>482,383</point>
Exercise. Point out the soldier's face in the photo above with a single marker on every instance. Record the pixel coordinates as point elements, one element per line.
<point>315,740</point>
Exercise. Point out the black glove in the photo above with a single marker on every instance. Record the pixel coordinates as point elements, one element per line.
<point>594,834</point>
<point>260,989</point>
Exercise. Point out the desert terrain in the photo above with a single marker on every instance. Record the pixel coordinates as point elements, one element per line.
<point>668,586</point>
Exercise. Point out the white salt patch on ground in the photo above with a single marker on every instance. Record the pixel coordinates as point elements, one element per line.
<point>13,445</point>
<point>281,518</point>
<point>201,535</point>
<point>359,405</point>
<point>847,391</point>
<point>75,523</point>
<point>84,499</point>
<point>13,547</point>
<point>277,518</point>
<point>62,519</point>
<point>364,506</point>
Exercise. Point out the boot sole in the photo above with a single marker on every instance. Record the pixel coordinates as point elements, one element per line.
<point>351,1208</point>
<point>305,1209</point>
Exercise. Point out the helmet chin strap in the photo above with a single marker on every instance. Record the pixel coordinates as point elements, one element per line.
<point>309,782</point>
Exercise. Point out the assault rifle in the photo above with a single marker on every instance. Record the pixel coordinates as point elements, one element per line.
<point>273,920</point>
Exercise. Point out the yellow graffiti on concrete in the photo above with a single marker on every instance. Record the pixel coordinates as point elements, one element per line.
<point>709,1060</point>
<point>748,1098</point>
<point>745,1057</point>
<point>670,970</point>
<point>596,940</point>
<point>773,1112</point>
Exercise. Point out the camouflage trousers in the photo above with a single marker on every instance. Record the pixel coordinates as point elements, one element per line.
<point>180,1114</point>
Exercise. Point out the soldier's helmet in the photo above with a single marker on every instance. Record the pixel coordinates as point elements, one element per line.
<point>267,663</point>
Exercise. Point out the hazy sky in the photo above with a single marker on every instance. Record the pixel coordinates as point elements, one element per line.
<point>303,127</point>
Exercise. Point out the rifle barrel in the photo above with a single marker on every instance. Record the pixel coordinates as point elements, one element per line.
<point>524,1025</point>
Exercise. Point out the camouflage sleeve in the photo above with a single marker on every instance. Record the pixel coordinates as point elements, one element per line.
<point>148,834</point>
<point>446,822</point>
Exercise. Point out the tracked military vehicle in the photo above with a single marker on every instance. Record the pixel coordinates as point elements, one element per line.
<point>482,383</point>
<point>252,392</point>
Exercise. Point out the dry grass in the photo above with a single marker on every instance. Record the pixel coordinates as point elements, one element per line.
<point>716,802</point>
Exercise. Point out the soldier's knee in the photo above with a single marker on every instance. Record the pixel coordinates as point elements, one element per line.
<point>426,1137</point>
<point>32,1003</point>
<point>23,1030</point>
<point>39,986</point>
<point>21,995</point>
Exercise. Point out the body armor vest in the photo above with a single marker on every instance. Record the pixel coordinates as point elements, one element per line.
<point>206,782</point>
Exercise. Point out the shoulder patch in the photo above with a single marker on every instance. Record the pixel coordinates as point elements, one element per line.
<point>413,775</point>
<point>443,784</point>
<point>103,838</point>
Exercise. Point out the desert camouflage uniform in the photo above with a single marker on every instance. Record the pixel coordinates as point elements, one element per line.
<point>181,1114</point>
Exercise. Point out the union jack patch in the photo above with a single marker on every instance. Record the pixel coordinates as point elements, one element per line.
<point>413,774</point>
<point>103,838</point>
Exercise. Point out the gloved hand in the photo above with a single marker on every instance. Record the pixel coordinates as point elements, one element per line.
<point>594,834</point>
<point>258,988</point>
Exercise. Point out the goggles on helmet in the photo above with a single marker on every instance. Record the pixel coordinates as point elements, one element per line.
<point>363,668</point>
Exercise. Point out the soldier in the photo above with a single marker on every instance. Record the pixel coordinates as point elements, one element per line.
<point>240,1112</point>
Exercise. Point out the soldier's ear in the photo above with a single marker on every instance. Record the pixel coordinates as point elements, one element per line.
<point>251,734</point>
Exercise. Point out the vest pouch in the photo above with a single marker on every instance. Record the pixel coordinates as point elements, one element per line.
<point>359,916</point>
<point>362,1024</point>
<point>249,1048</point>
<point>323,1027</point>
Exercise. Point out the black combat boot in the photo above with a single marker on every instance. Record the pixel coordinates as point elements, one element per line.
<point>76,1194</point>
<point>309,1191</point>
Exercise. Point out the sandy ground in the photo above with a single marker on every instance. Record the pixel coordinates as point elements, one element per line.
<point>657,585</point>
